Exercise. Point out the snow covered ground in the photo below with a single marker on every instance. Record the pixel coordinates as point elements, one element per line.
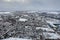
<point>16,39</point>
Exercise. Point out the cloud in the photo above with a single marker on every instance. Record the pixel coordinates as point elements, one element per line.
<point>7,0</point>
<point>18,1</point>
<point>29,4</point>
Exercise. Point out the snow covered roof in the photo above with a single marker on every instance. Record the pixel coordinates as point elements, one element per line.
<point>23,19</point>
<point>16,39</point>
<point>25,15</point>
<point>46,29</point>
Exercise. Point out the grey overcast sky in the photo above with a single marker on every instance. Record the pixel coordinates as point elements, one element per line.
<point>17,5</point>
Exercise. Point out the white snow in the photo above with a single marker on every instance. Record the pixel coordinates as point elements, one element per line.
<point>53,12</point>
<point>16,39</point>
<point>51,35</point>
<point>47,29</point>
<point>26,15</point>
<point>4,12</point>
<point>22,19</point>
